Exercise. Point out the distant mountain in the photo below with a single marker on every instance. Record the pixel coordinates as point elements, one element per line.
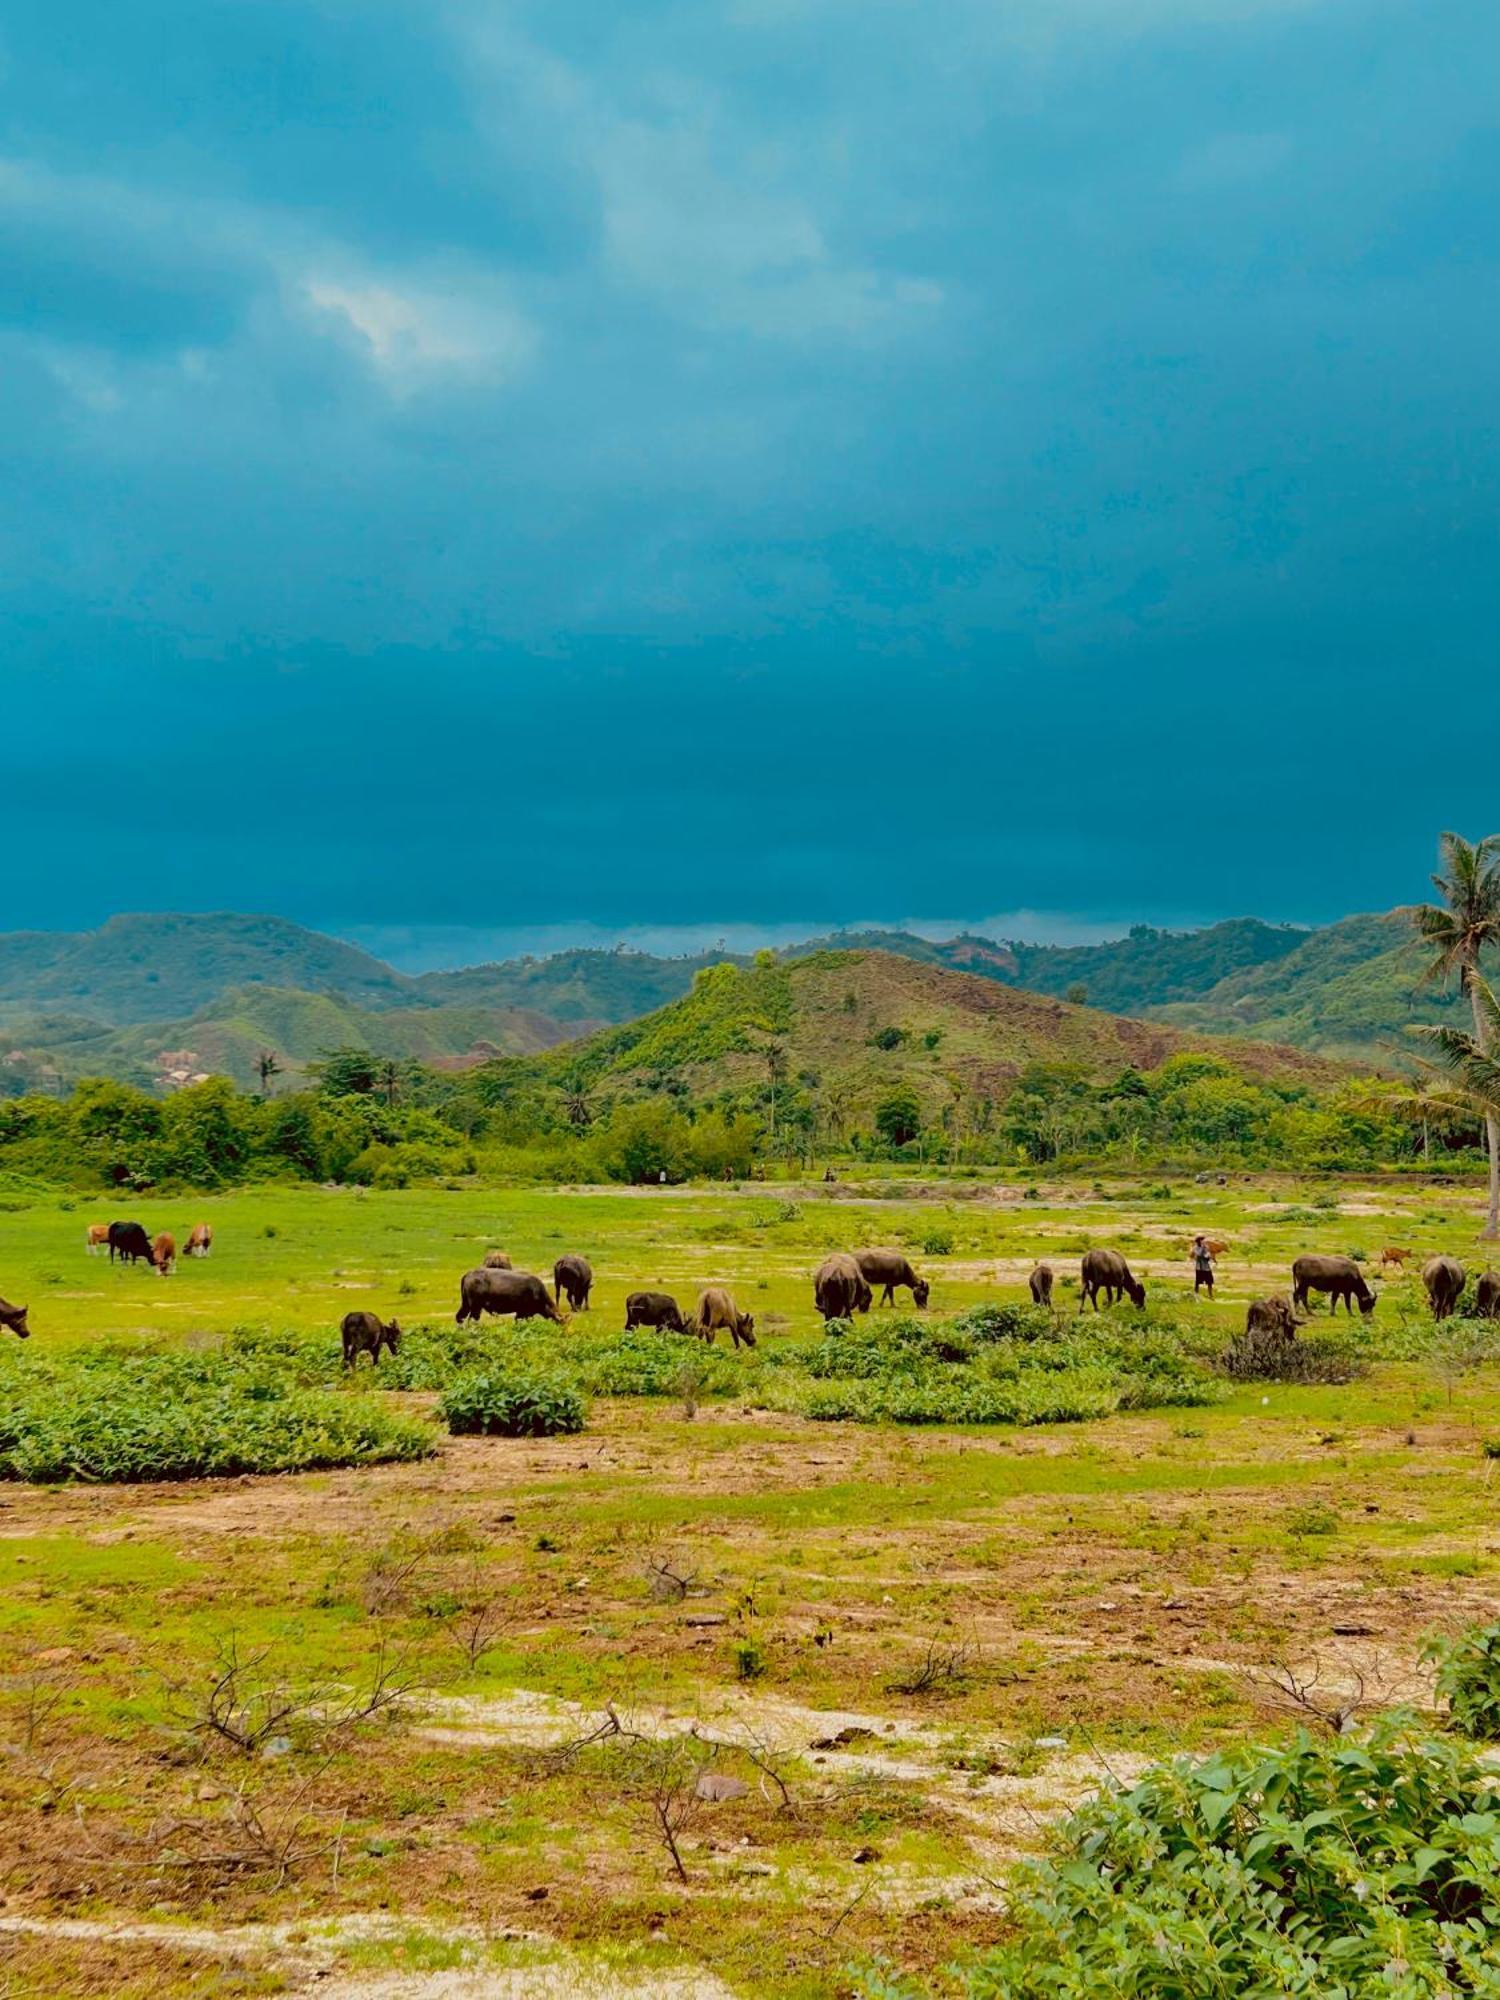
<point>156,998</point>
<point>158,968</point>
<point>868,1020</point>
<point>1146,968</point>
<point>1349,989</point>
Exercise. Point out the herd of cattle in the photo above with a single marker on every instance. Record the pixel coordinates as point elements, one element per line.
<point>845,1283</point>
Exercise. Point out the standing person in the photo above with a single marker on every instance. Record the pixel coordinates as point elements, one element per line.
<point>1203,1266</point>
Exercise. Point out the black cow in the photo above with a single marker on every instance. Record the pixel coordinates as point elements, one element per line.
<point>130,1243</point>
<point>502,1292</point>
<point>575,1276</point>
<point>654,1309</point>
<point>1040,1282</point>
<point>15,1318</point>
<point>367,1333</point>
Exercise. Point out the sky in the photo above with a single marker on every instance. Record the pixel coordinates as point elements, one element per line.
<point>728,466</point>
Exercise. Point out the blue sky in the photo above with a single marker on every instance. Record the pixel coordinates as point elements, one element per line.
<point>746,462</point>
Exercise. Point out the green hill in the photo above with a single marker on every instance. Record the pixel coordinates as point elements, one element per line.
<point>577,986</point>
<point>163,968</point>
<point>865,1021</point>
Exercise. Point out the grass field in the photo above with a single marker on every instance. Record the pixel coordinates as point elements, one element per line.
<point>1001,1618</point>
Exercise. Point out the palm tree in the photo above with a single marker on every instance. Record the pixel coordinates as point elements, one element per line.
<point>1457,931</point>
<point>266,1066</point>
<point>774,1054</point>
<point>388,1076</point>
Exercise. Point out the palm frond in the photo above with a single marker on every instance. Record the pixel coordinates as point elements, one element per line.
<point>1477,1072</point>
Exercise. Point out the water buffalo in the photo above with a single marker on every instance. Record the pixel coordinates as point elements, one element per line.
<point>15,1318</point>
<point>654,1309</point>
<point>164,1254</point>
<point>1340,1277</point>
<point>717,1309</point>
<point>200,1239</point>
<point>1106,1271</point>
<point>367,1333</point>
<point>1444,1278</point>
<point>1487,1295</point>
<point>130,1243</point>
<point>1040,1282</point>
<point>1272,1318</point>
<point>501,1292</point>
<point>839,1288</point>
<point>498,1260</point>
<point>575,1276</point>
<point>888,1269</point>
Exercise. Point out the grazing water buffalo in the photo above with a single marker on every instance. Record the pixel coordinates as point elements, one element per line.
<point>1106,1271</point>
<point>164,1254</point>
<point>367,1333</point>
<point>1040,1282</point>
<point>1444,1278</point>
<point>200,1239</point>
<point>96,1238</point>
<point>575,1276</point>
<point>130,1243</point>
<point>498,1260</point>
<point>888,1269</point>
<point>717,1309</point>
<point>655,1309</point>
<point>1340,1277</point>
<point>1271,1319</point>
<point>1487,1295</point>
<point>839,1288</point>
<point>15,1318</point>
<point>501,1292</point>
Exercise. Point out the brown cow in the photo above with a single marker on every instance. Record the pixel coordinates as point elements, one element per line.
<point>1106,1271</point>
<point>502,1292</point>
<point>498,1260</point>
<point>164,1254</point>
<point>15,1318</point>
<point>1340,1277</point>
<point>1217,1244</point>
<point>575,1276</point>
<point>1444,1278</point>
<point>839,1288</point>
<point>200,1239</point>
<point>367,1333</point>
<point>888,1269</point>
<point>1487,1295</point>
<point>1040,1282</point>
<point>1271,1319</point>
<point>96,1238</point>
<point>717,1309</point>
<point>1392,1255</point>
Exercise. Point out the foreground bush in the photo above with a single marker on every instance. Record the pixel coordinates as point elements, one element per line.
<point>1267,1357</point>
<point>118,1418</point>
<point>499,1404</point>
<point>1352,1867</point>
<point>1468,1680</point>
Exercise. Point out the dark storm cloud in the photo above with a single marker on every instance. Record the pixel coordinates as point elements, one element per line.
<point>678,463</point>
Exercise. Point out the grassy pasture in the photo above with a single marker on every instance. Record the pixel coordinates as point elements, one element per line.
<point>1011,1615</point>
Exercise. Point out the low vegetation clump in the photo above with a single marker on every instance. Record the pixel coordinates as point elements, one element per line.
<point>111,1417</point>
<point>1468,1680</point>
<point>1344,1867</point>
<point>501,1403</point>
<point>1259,1356</point>
<point>994,1365</point>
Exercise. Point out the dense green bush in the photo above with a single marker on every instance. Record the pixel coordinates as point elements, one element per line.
<point>1323,1870</point>
<point>1468,1680</point>
<point>108,1416</point>
<point>499,1403</point>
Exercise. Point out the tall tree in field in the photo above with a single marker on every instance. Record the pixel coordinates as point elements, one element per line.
<point>1456,932</point>
<point>266,1066</point>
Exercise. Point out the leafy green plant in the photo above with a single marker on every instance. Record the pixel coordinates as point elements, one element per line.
<point>499,1404</point>
<point>1343,1868</point>
<point>1468,1680</point>
<point>938,1243</point>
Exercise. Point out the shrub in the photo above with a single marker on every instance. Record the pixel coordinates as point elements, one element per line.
<point>1267,1357</point>
<point>503,1404</point>
<point>1346,1867</point>
<point>938,1243</point>
<point>115,1418</point>
<point>1468,1680</point>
